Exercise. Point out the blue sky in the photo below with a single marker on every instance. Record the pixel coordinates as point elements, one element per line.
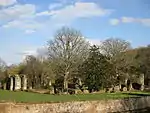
<point>26,25</point>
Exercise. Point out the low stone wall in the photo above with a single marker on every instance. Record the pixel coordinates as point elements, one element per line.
<point>78,107</point>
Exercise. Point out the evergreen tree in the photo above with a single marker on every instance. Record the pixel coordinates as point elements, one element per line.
<point>95,70</point>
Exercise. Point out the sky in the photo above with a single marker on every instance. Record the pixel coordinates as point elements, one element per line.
<point>27,25</point>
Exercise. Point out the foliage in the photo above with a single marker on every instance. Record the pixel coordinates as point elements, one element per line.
<point>143,59</point>
<point>134,62</point>
<point>3,71</point>
<point>2,65</point>
<point>114,49</point>
<point>96,70</point>
<point>70,60</point>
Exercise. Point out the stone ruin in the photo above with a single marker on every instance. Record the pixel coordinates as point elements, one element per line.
<point>137,83</point>
<point>16,82</point>
<point>19,82</point>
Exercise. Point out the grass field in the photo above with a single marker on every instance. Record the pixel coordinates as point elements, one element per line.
<point>39,98</point>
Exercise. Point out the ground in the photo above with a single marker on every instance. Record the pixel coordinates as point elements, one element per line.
<point>38,98</point>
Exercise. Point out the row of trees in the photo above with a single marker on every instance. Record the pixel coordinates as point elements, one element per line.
<point>71,59</point>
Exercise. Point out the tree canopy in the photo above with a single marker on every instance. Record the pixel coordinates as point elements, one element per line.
<point>68,58</point>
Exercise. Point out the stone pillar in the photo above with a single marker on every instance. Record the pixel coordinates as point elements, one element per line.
<point>17,82</point>
<point>11,83</point>
<point>4,86</point>
<point>130,86</point>
<point>50,83</point>
<point>126,80</point>
<point>65,84</point>
<point>52,90</point>
<point>142,81</point>
<point>65,80</point>
<point>80,82</point>
<point>120,85</point>
<point>24,82</point>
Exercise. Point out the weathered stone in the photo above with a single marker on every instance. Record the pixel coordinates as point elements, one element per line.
<point>117,88</point>
<point>11,83</point>
<point>17,82</point>
<point>4,86</point>
<point>80,82</point>
<point>142,81</point>
<point>124,89</point>
<point>86,91</point>
<point>50,83</point>
<point>118,106</point>
<point>24,82</point>
<point>78,91</point>
<point>52,90</point>
<point>30,88</point>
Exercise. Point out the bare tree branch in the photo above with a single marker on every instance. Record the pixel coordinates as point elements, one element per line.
<point>68,50</point>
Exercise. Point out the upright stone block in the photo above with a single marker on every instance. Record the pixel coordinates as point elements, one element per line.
<point>80,82</point>
<point>17,82</point>
<point>24,82</point>
<point>4,86</point>
<point>11,83</point>
<point>142,81</point>
<point>50,83</point>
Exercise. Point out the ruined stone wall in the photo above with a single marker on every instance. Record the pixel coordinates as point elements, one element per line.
<point>78,107</point>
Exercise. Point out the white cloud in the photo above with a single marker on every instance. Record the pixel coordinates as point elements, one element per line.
<point>30,31</point>
<point>25,51</point>
<point>81,10</point>
<point>78,10</point>
<point>28,52</point>
<point>20,17</point>
<point>17,51</point>
<point>69,13</point>
<point>44,13</point>
<point>128,19</point>
<point>143,21</point>
<point>40,52</point>
<point>114,21</point>
<point>93,41</point>
<point>25,16</point>
<point>7,2</point>
<point>29,26</point>
<point>16,12</point>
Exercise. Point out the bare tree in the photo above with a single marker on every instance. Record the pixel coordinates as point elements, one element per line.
<point>67,50</point>
<point>2,65</point>
<point>33,68</point>
<point>113,46</point>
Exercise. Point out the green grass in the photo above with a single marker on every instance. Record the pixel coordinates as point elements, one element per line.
<point>39,98</point>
